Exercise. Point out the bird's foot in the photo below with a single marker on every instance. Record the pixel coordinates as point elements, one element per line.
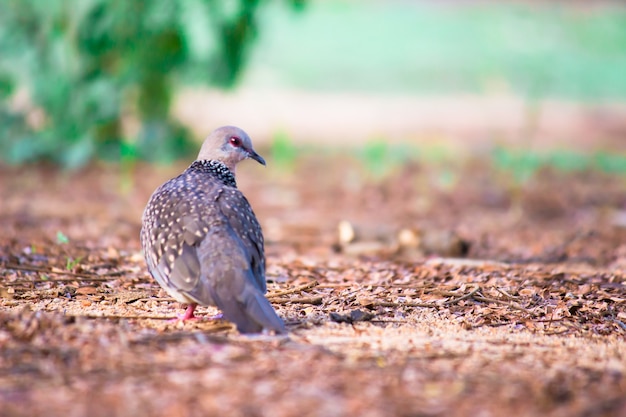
<point>189,315</point>
<point>184,317</point>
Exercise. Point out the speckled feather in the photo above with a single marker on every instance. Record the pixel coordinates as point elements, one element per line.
<point>204,245</point>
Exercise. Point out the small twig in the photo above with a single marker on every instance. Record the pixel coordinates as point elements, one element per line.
<point>442,292</point>
<point>337,285</point>
<point>201,337</point>
<point>41,280</point>
<point>144,299</point>
<point>119,317</point>
<point>294,290</point>
<point>550,320</point>
<point>201,319</point>
<point>506,303</point>
<point>411,286</point>
<point>388,321</point>
<point>463,297</point>
<point>409,304</point>
<point>91,277</point>
<point>308,300</point>
<point>557,332</point>
<point>506,294</point>
<point>482,298</point>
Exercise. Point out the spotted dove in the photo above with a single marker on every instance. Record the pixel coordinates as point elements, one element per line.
<point>202,241</point>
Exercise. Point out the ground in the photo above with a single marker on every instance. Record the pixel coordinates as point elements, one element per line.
<point>453,289</point>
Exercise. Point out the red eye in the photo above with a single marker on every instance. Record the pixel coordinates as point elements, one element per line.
<point>235,141</point>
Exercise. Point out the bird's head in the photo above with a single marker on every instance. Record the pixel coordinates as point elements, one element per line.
<point>229,145</point>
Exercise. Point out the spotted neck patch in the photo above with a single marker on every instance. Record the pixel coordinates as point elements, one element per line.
<point>216,169</point>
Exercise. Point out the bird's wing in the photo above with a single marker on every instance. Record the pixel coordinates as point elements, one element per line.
<point>231,284</point>
<point>237,211</point>
<point>174,224</point>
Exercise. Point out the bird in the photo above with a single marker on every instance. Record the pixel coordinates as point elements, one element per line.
<point>203,243</point>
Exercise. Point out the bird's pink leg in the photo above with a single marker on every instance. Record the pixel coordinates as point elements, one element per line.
<point>188,315</point>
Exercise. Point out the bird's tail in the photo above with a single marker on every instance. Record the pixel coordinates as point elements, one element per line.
<point>259,313</point>
<point>242,302</point>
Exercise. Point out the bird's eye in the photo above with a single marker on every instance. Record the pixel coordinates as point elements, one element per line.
<point>235,141</point>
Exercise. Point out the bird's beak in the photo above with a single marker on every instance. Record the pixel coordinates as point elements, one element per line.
<point>253,155</point>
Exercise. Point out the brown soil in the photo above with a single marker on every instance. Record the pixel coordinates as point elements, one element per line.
<point>510,299</point>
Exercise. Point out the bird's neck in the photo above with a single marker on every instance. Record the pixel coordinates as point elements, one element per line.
<point>217,169</point>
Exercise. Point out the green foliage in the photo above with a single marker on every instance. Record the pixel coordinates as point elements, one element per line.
<point>380,157</point>
<point>70,263</point>
<point>522,165</point>
<point>61,238</point>
<point>608,162</point>
<point>283,151</point>
<point>535,49</point>
<point>86,65</point>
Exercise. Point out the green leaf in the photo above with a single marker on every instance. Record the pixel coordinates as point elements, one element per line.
<point>6,86</point>
<point>61,238</point>
<point>283,150</point>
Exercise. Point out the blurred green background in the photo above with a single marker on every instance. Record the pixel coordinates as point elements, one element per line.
<point>85,79</point>
<point>538,48</point>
